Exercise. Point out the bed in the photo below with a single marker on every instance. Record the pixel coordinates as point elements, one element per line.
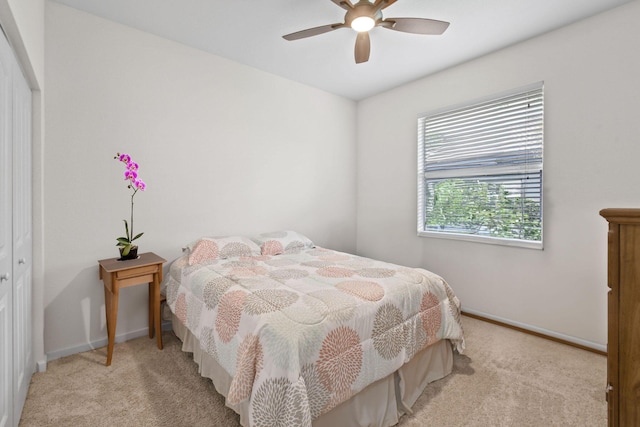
<point>292,334</point>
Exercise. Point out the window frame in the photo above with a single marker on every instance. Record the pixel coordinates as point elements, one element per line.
<point>422,219</point>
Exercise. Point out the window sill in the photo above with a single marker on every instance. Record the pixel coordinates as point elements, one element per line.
<point>528,244</point>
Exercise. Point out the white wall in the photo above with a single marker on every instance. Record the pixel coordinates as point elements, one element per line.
<point>228,149</point>
<point>224,149</point>
<point>591,72</point>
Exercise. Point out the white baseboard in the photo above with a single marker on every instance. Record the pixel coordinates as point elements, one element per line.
<point>166,326</point>
<point>41,365</point>
<point>563,337</point>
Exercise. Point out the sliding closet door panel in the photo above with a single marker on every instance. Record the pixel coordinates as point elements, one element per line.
<point>22,233</point>
<point>6,251</point>
<point>23,364</point>
<point>6,173</point>
<point>6,402</point>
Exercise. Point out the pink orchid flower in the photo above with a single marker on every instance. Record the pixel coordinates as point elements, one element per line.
<point>139,184</point>
<point>130,175</point>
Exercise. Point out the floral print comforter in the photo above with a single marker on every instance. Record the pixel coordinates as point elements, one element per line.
<point>303,331</point>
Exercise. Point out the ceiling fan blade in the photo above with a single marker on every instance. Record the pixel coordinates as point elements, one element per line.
<point>382,4</point>
<point>312,32</point>
<point>416,25</point>
<point>363,47</point>
<point>345,4</point>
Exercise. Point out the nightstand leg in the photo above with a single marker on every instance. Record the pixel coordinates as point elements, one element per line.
<point>152,308</point>
<point>156,309</point>
<point>111,307</point>
<point>107,305</point>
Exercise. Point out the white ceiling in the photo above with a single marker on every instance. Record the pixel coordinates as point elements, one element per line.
<point>250,32</point>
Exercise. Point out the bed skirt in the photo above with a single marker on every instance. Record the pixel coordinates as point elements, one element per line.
<point>380,404</point>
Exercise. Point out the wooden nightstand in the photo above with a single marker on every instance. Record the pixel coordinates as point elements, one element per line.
<point>147,268</point>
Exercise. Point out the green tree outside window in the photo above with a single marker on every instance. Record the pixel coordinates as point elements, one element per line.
<point>473,206</point>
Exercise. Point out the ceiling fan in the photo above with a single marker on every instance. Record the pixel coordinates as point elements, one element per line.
<point>365,15</point>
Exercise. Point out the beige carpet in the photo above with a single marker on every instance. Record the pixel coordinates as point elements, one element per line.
<point>505,378</point>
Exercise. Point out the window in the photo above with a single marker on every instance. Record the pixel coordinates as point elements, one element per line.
<point>480,170</point>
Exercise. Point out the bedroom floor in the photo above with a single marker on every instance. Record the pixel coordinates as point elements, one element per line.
<point>505,378</point>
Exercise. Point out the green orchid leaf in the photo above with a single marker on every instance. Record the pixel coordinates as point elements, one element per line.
<point>125,250</point>
<point>126,228</point>
<point>137,236</point>
<point>123,241</point>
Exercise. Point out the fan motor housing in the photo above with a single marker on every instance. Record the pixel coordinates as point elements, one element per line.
<point>363,8</point>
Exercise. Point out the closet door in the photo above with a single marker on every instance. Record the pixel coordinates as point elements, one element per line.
<point>22,242</point>
<point>6,251</point>
<point>16,355</point>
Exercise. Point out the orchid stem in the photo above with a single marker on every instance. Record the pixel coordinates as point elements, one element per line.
<point>131,231</point>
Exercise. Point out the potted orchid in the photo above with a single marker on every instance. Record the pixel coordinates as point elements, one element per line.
<point>127,249</point>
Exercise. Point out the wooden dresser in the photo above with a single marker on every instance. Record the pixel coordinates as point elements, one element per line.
<point>623,348</point>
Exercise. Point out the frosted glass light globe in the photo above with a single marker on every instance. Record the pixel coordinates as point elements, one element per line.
<point>362,24</point>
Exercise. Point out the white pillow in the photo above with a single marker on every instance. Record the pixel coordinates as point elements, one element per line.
<point>212,248</point>
<point>278,242</point>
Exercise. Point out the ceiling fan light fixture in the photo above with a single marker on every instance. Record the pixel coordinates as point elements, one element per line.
<point>364,15</point>
<point>363,23</point>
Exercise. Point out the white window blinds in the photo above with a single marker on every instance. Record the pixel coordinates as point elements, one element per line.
<point>480,169</point>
